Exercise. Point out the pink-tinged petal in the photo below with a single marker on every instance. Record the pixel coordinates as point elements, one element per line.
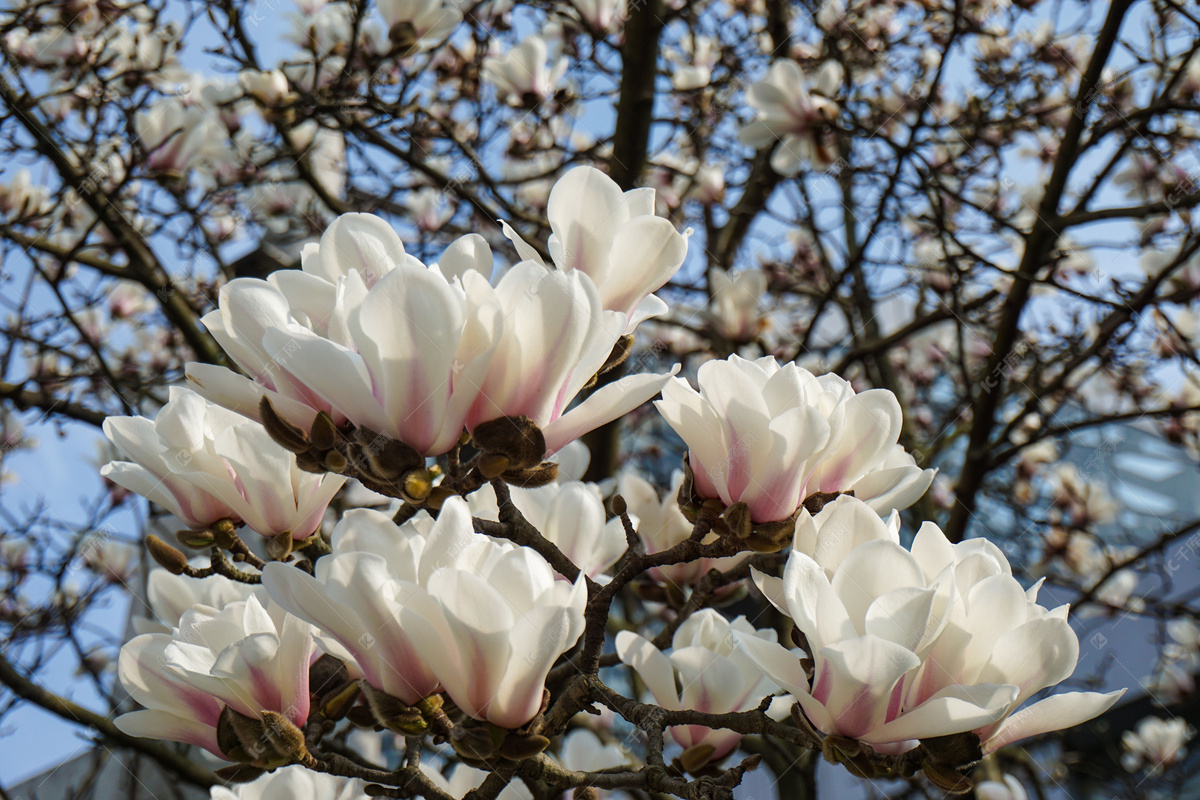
<point>155,724</point>
<point>862,674</point>
<point>776,662</point>
<point>603,406</point>
<point>955,709</point>
<point>1054,713</point>
<point>239,393</point>
<point>652,667</point>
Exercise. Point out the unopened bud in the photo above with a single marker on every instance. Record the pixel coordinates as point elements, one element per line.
<point>284,433</point>
<point>520,746</point>
<point>619,506</point>
<point>167,556</point>
<point>335,462</point>
<point>196,539</point>
<point>324,433</point>
<point>947,778</point>
<point>392,713</point>
<point>417,485</point>
<point>284,736</point>
<point>696,758</point>
<point>492,465</point>
<point>475,743</point>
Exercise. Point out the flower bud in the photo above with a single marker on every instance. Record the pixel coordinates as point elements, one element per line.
<point>167,556</point>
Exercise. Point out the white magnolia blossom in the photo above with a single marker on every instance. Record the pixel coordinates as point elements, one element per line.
<point>704,672</point>
<point>791,111</point>
<point>464,778</point>
<point>246,656</point>
<point>492,621</point>
<point>177,137</point>
<point>770,436</point>
<point>613,237</point>
<point>358,591</point>
<point>1155,744</point>
<point>602,15</point>
<point>204,463</point>
<point>737,303</point>
<point>914,644</point>
<point>522,75</point>
<point>374,337</point>
<point>291,783</point>
<point>570,514</point>
<point>432,604</point>
<point>661,525</point>
<point>419,24</point>
<point>170,596</point>
<point>269,88</point>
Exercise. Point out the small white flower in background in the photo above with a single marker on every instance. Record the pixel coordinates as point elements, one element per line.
<point>1155,744</point>
<point>693,66</point>
<point>569,514</point>
<point>522,75</point>
<point>912,644</point>
<point>204,463</point>
<point>111,558</point>
<point>584,751</point>
<point>129,299</point>
<point>417,25</point>
<point>602,15</point>
<point>492,621</point>
<point>170,596</point>
<point>1008,789</point>
<point>293,783</point>
<point>268,88</point>
<point>358,591</point>
<point>770,436</point>
<point>429,208</point>
<point>661,525</point>
<point>614,238</point>
<point>736,309</point>
<point>463,779</point>
<point>711,674</point>
<point>176,137</point>
<point>21,196</point>
<point>792,111</point>
<point>246,656</point>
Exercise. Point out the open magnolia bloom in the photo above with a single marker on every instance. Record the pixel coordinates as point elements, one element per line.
<point>570,514</point>
<point>432,605</point>
<point>418,24</point>
<point>711,674</point>
<point>289,783</point>
<point>170,596</point>
<point>376,339</point>
<point>661,525</point>
<point>357,593</point>
<point>771,436</point>
<point>204,463</point>
<point>492,620</point>
<point>793,112</point>
<point>914,645</point>
<point>245,657</point>
<point>614,238</point>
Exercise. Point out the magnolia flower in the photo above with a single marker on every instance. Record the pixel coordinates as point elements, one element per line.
<point>909,645</point>
<point>464,778</point>
<point>614,238</point>
<point>373,337</point>
<point>176,137</point>
<point>492,621</point>
<point>245,656</point>
<point>521,76</point>
<point>170,596</point>
<point>569,514</point>
<point>418,25</point>
<point>1156,743</point>
<point>770,436</point>
<point>269,88</point>
<point>736,303</point>
<point>358,592</point>
<point>601,15</point>
<point>287,783</point>
<point>204,463</point>
<point>713,676</point>
<point>792,111</point>
<point>661,525</point>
